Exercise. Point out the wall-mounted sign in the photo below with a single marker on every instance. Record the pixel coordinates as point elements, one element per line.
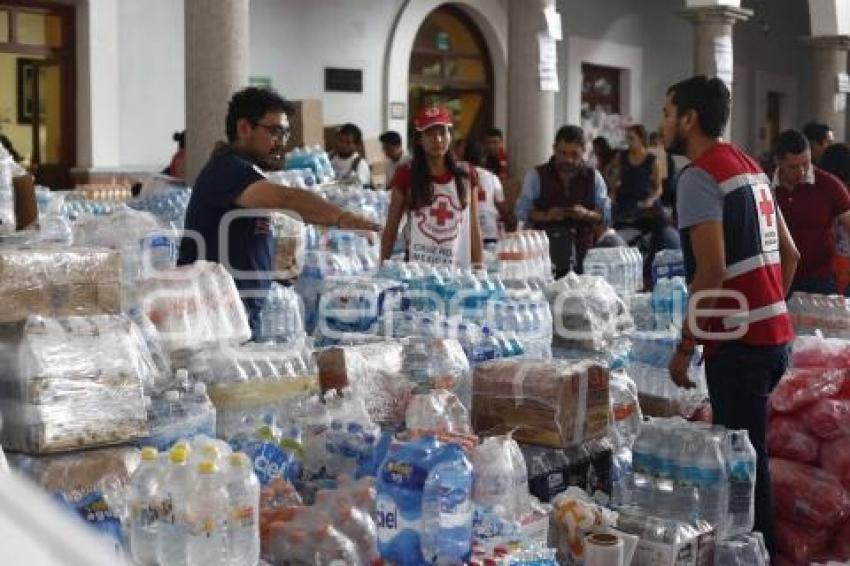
<point>343,80</point>
<point>443,41</point>
<point>397,110</point>
<point>843,83</point>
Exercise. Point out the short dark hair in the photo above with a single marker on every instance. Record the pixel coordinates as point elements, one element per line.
<point>390,137</point>
<point>836,160</point>
<point>472,152</point>
<point>816,132</point>
<point>252,104</point>
<point>570,134</point>
<point>640,131</point>
<point>709,98</point>
<point>494,133</point>
<point>352,130</point>
<point>790,141</point>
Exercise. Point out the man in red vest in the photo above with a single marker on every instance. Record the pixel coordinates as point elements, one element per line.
<point>740,262</point>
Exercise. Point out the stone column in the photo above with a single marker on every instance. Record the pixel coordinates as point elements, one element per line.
<point>217,58</point>
<point>531,112</point>
<point>830,59</point>
<point>713,46</point>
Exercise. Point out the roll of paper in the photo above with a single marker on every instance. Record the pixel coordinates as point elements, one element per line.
<point>603,550</point>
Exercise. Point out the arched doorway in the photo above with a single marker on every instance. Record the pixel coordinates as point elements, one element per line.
<point>450,65</point>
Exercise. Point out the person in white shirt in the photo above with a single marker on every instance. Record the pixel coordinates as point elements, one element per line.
<point>394,152</point>
<point>347,162</point>
<point>492,208</point>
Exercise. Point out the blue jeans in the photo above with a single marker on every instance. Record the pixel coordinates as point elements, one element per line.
<point>740,378</point>
<point>817,285</point>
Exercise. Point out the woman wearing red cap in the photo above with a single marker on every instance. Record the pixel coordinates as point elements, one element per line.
<point>433,192</point>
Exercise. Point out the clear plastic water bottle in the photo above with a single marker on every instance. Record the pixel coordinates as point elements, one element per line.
<point>447,510</point>
<point>172,543</point>
<point>142,501</point>
<point>243,524</point>
<point>207,511</point>
<point>740,459</point>
<point>644,465</point>
<point>685,500</point>
<point>713,487</point>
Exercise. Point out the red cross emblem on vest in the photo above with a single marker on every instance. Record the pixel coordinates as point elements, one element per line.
<point>442,213</point>
<point>766,209</point>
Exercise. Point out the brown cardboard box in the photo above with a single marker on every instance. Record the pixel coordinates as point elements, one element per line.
<point>307,124</point>
<point>346,365</point>
<point>549,403</point>
<point>58,282</point>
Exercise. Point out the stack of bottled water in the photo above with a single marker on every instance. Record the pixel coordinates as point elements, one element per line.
<point>523,255</point>
<point>621,267</point>
<point>180,413</point>
<point>649,359</point>
<point>689,471</point>
<point>354,305</point>
<point>297,178</point>
<point>668,264</point>
<point>669,301</point>
<point>372,204</point>
<point>168,205</point>
<point>424,507</point>
<point>282,317</point>
<point>351,436</point>
<point>198,505</point>
<point>828,314</point>
<point>314,159</point>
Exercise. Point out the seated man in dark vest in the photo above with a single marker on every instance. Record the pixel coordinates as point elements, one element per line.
<point>567,198</point>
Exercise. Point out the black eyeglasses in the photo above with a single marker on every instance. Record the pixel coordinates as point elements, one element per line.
<point>275,130</point>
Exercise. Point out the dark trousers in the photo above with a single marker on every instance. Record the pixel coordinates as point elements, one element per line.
<point>816,285</point>
<point>740,379</point>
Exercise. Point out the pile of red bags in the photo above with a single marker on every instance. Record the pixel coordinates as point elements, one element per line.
<point>809,444</point>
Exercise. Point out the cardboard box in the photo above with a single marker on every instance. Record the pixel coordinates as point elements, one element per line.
<point>550,403</point>
<point>307,124</point>
<point>58,282</point>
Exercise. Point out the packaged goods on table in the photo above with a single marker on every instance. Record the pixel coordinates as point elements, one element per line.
<point>248,382</point>
<point>194,307</point>
<point>91,481</point>
<point>54,281</point>
<point>552,471</point>
<point>574,515</point>
<point>557,404</point>
<point>589,317</point>
<point>72,382</point>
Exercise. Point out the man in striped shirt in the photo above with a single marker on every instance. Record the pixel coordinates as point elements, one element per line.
<point>740,262</point>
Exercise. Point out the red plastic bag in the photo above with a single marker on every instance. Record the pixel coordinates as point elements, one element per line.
<point>828,418</point>
<point>835,459</point>
<point>801,387</point>
<point>788,438</point>
<point>815,352</point>
<point>806,495</point>
<point>841,542</point>
<point>798,543</point>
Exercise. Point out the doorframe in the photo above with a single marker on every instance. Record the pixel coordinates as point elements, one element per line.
<point>788,87</point>
<point>66,56</point>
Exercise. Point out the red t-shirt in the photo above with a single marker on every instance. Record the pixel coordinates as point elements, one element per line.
<point>401,179</point>
<point>810,211</point>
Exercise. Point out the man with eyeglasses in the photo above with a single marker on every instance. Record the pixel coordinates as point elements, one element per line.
<point>232,184</point>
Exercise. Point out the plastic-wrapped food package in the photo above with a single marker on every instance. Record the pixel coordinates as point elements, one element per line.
<point>806,495</point>
<point>818,352</point>
<point>555,403</point>
<point>437,364</point>
<point>9,169</point>
<point>372,372</point>
<point>787,437</point>
<point>828,418</point>
<point>588,314</point>
<point>194,307</point>
<point>437,411</point>
<point>800,542</point>
<point>501,478</point>
<point>801,387</point>
<point>91,482</point>
<point>835,459</point>
<point>55,281</point>
<point>664,541</point>
<point>72,382</point>
<point>574,514</point>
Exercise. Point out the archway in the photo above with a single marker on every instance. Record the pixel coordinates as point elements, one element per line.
<point>491,21</point>
<point>450,66</point>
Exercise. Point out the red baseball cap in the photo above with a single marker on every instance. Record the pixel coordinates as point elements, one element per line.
<point>432,116</point>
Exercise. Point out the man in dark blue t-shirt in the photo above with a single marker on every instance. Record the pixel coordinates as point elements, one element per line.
<point>227,219</point>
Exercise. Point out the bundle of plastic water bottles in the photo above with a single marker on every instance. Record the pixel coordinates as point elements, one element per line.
<point>312,165</point>
<point>168,205</point>
<point>828,314</point>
